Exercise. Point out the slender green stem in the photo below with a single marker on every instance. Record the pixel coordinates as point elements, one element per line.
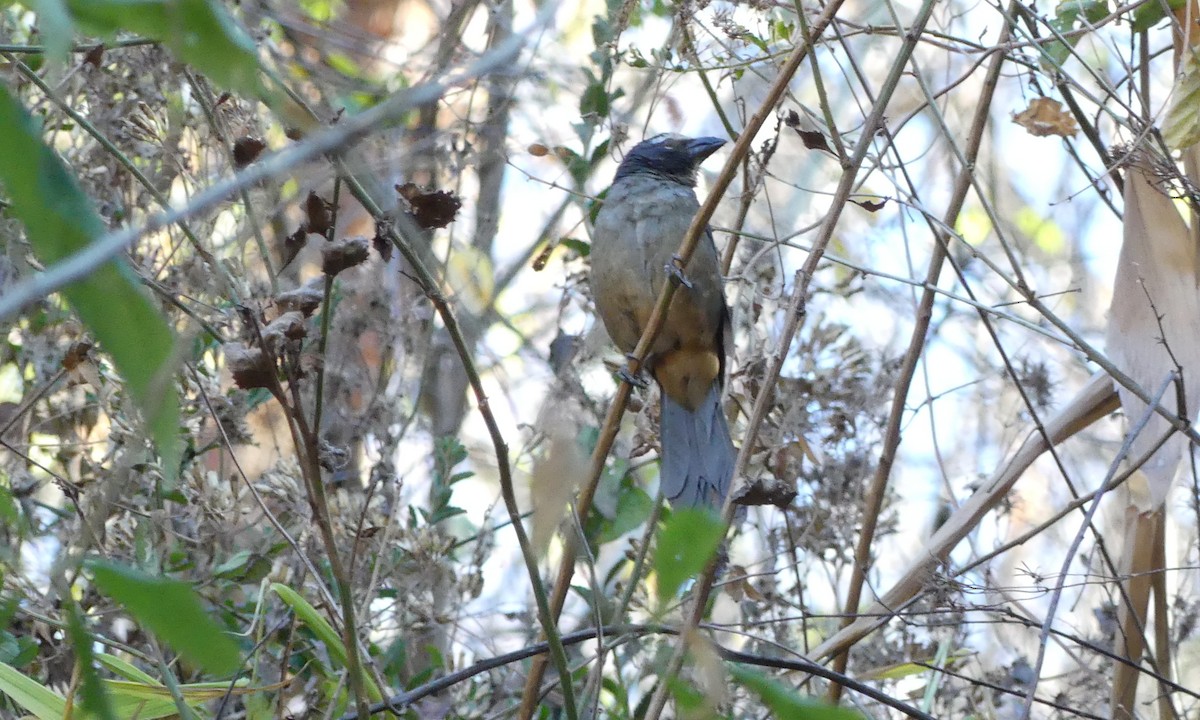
<point>326,315</point>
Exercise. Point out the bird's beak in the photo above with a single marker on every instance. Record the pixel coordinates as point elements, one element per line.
<point>701,148</point>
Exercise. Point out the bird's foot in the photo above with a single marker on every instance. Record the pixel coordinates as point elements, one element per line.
<point>674,270</point>
<point>633,378</point>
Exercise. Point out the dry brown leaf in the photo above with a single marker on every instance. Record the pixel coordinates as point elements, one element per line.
<point>246,150</point>
<point>1154,321</point>
<point>345,254</point>
<point>430,208</point>
<point>305,299</point>
<point>710,669</point>
<point>250,367</point>
<point>559,471</point>
<point>318,213</point>
<point>1044,117</point>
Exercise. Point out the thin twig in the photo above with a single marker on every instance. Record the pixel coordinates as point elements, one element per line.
<point>873,497</point>
<point>348,131</point>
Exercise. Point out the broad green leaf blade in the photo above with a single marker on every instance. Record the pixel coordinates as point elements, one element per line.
<point>325,632</point>
<point>687,541</point>
<point>785,703</point>
<point>42,702</point>
<point>1071,15</point>
<point>131,706</point>
<point>150,701</point>
<point>93,695</point>
<point>314,621</point>
<point>199,32</point>
<point>171,610</point>
<point>55,27</point>
<point>634,507</point>
<point>60,221</point>
<point>119,667</point>
<point>1149,14</point>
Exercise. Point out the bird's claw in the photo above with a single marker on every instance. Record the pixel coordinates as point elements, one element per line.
<point>634,379</point>
<point>674,270</point>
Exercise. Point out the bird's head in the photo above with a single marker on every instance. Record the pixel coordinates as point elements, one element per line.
<point>669,156</point>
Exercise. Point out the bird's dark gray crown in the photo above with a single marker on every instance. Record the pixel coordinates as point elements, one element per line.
<point>669,156</point>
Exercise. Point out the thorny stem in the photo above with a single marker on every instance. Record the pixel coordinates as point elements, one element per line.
<point>428,284</point>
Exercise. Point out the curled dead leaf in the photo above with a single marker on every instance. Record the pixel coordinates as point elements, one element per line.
<point>1044,117</point>
<point>739,587</point>
<point>250,367</point>
<point>382,240</point>
<point>305,299</point>
<point>345,254</point>
<point>287,327</point>
<point>318,213</point>
<point>246,150</point>
<point>814,140</point>
<point>430,208</point>
<point>81,368</point>
<point>870,205</point>
<point>293,244</point>
<point>76,354</point>
<point>539,262</point>
<point>766,491</point>
<point>95,56</point>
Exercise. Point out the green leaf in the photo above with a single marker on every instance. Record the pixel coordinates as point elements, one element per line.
<point>689,700</point>
<point>320,627</point>
<point>41,701</point>
<point>594,207</point>
<point>253,571</point>
<point>199,32</point>
<point>60,221</point>
<point>172,611</point>
<point>1148,14</point>
<point>757,42</point>
<point>314,621</point>
<point>8,646</point>
<point>95,698</point>
<point>9,514</point>
<point>55,27</point>
<point>581,247</point>
<point>595,99</point>
<point>119,667</point>
<point>785,703</point>
<point>687,541</point>
<point>633,508</point>
<point>1071,15</point>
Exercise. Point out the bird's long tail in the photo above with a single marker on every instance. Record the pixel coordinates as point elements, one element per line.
<point>697,452</point>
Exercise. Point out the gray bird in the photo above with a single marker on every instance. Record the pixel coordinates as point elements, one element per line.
<point>638,230</point>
